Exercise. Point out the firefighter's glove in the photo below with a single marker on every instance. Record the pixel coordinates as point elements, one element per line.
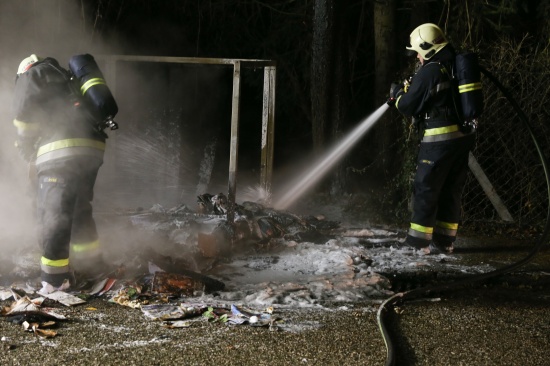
<point>26,147</point>
<point>396,90</point>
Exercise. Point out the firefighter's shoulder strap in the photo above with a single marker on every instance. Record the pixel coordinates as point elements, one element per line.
<point>64,74</point>
<point>445,82</point>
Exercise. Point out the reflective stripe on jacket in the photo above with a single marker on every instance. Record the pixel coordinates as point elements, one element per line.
<point>442,133</point>
<point>70,147</point>
<point>25,129</point>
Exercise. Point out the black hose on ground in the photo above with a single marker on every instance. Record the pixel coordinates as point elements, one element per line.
<point>408,295</point>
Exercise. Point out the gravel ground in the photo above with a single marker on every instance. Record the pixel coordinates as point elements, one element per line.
<point>489,325</point>
<point>115,335</point>
<point>502,322</point>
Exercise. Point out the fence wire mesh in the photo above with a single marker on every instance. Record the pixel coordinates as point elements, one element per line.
<point>515,190</point>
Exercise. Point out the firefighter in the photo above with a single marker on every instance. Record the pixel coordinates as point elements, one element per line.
<point>57,135</point>
<point>442,162</point>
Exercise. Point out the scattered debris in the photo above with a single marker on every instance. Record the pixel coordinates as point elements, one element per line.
<point>64,298</point>
<point>159,285</point>
<point>127,296</point>
<point>37,329</point>
<point>102,286</point>
<point>5,294</point>
<point>176,324</point>
<point>48,289</point>
<point>172,312</point>
<point>32,317</point>
<point>175,284</point>
<point>27,309</point>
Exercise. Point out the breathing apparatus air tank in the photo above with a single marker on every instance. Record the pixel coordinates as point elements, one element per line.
<point>94,90</point>
<point>468,76</point>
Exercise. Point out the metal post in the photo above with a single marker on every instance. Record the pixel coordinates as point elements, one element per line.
<point>489,189</point>
<point>111,160</point>
<point>234,145</point>
<point>268,129</point>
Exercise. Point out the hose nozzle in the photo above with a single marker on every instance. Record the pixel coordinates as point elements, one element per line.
<point>108,123</point>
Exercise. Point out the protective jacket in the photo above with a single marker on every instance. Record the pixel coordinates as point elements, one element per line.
<point>57,132</point>
<point>46,111</point>
<point>443,155</point>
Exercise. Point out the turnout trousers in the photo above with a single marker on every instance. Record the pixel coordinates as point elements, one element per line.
<point>64,209</point>
<point>438,184</point>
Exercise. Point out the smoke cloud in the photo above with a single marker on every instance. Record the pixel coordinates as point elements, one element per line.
<point>174,119</point>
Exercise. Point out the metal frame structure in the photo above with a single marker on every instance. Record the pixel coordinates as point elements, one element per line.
<point>268,112</point>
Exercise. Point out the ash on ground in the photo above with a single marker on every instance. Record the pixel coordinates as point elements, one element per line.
<point>265,257</point>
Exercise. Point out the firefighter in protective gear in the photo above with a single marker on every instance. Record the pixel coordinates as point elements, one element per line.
<point>442,161</point>
<point>55,133</point>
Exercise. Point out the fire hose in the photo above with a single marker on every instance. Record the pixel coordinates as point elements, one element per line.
<point>401,297</point>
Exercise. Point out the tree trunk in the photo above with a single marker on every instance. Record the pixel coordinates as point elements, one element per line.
<point>385,46</point>
<point>339,98</point>
<point>329,81</point>
<point>321,70</point>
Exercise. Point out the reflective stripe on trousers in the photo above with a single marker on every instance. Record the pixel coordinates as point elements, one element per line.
<point>446,228</point>
<point>85,251</point>
<point>65,193</point>
<point>421,232</point>
<point>54,266</point>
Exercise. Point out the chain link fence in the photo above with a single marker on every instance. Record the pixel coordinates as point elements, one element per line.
<point>507,181</point>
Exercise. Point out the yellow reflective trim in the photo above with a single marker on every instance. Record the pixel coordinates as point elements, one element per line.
<point>25,125</point>
<point>447,225</point>
<point>85,247</point>
<point>61,144</point>
<point>397,102</point>
<point>54,263</point>
<point>422,229</point>
<point>469,87</point>
<point>440,130</point>
<point>88,84</point>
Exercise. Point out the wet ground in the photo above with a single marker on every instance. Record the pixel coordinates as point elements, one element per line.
<point>504,320</point>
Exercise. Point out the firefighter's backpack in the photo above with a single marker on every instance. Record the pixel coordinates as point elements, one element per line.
<point>468,75</point>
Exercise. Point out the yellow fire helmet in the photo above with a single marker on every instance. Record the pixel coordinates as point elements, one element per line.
<point>26,63</point>
<point>427,40</point>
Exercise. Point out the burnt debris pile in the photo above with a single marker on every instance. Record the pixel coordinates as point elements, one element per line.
<point>206,231</point>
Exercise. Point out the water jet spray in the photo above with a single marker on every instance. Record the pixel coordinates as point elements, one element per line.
<point>327,161</point>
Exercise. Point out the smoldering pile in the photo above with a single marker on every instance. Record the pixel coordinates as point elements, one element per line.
<point>207,232</point>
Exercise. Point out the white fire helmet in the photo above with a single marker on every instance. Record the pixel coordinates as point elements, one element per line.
<point>427,40</point>
<point>26,63</point>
